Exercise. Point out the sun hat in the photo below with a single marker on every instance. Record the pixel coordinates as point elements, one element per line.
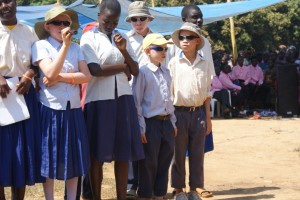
<point>189,27</point>
<point>138,9</point>
<point>154,39</point>
<point>51,14</point>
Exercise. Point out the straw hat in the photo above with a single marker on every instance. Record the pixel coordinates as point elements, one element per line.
<point>138,9</point>
<point>51,14</point>
<point>154,39</point>
<point>189,27</point>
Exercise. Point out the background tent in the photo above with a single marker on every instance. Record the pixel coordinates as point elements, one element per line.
<point>167,19</point>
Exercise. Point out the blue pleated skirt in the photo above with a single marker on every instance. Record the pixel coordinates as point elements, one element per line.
<point>65,151</point>
<point>113,130</point>
<point>20,148</point>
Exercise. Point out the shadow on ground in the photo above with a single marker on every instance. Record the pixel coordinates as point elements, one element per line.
<point>236,191</point>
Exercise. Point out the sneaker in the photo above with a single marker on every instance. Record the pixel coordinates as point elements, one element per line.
<point>181,196</point>
<point>193,195</point>
<point>131,194</point>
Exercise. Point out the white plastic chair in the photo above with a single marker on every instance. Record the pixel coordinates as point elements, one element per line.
<point>213,102</point>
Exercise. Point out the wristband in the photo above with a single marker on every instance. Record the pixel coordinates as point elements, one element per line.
<point>27,77</point>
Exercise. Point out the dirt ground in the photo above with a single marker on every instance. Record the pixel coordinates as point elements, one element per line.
<point>252,160</point>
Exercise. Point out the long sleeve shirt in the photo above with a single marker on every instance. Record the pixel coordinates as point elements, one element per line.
<point>227,82</point>
<point>256,75</point>
<point>152,95</point>
<point>241,72</point>
<point>216,85</point>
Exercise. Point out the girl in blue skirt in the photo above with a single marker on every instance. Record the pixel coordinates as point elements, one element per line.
<point>64,139</point>
<point>20,141</point>
<point>110,111</point>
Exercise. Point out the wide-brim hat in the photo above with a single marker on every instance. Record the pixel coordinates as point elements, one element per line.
<point>138,9</point>
<point>189,27</point>
<point>155,39</point>
<point>51,14</point>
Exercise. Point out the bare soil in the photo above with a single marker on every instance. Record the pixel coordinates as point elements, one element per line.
<point>252,160</point>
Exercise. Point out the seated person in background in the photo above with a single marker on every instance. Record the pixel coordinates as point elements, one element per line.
<point>256,80</point>
<point>267,91</point>
<point>236,94</point>
<point>240,76</point>
<point>221,94</point>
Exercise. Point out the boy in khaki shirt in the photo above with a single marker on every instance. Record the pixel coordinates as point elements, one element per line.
<point>190,88</point>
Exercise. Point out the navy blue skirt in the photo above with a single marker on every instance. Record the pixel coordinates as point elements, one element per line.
<point>20,148</point>
<point>113,130</point>
<point>65,152</point>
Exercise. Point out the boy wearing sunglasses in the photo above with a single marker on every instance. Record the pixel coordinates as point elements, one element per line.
<point>139,18</point>
<point>151,90</point>
<point>190,89</point>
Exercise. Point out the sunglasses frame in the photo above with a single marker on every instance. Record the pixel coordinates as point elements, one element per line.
<point>187,37</point>
<point>59,23</point>
<point>158,48</point>
<point>135,19</point>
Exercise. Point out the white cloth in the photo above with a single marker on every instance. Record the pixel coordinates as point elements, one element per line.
<point>57,96</point>
<point>15,49</point>
<point>136,42</point>
<point>191,82</point>
<point>97,48</point>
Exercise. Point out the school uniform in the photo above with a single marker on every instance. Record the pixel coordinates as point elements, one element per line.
<point>20,152</point>
<point>151,90</point>
<point>136,42</point>
<point>64,138</point>
<point>218,92</point>
<point>110,111</point>
<point>190,87</point>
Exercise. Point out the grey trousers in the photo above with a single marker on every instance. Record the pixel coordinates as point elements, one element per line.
<point>191,128</point>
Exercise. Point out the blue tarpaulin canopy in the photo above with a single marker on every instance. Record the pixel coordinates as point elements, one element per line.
<point>167,19</point>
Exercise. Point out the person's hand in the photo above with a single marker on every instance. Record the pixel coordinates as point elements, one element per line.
<point>23,86</point>
<point>4,88</point>
<point>208,126</point>
<point>49,83</point>
<point>120,41</point>
<point>175,132</point>
<point>66,36</point>
<point>143,137</point>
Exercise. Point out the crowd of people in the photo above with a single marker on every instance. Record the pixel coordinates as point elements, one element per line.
<point>251,80</point>
<point>136,99</point>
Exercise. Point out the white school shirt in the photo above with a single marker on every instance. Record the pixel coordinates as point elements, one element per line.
<point>191,82</point>
<point>136,42</point>
<point>15,49</point>
<point>97,48</point>
<point>57,96</point>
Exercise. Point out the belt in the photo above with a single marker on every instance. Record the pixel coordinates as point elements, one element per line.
<point>187,109</point>
<point>161,117</point>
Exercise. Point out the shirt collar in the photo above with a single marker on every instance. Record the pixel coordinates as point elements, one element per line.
<point>54,43</point>
<point>198,58</point>
<point>132,32</point>
<point>154,68</point>
<point>3,27</point>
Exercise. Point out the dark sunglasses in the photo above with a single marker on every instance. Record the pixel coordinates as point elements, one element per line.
<point>59,23</point>
<point>135,19</point>
<point>187,37</point>
<point>158,48</point>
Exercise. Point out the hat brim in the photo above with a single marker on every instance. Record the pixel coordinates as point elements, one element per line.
<point>127,19</point>
<point>175,37</point>
<point>42,33</point>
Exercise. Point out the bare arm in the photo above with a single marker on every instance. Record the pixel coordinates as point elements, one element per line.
<point>121,45</point>
<point>106,70</point>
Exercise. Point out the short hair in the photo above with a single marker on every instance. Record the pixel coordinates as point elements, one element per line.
<point>187,8</point>
<point>112,5</point>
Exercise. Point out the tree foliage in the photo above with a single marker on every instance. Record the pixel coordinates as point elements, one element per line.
<point>261,30</point>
